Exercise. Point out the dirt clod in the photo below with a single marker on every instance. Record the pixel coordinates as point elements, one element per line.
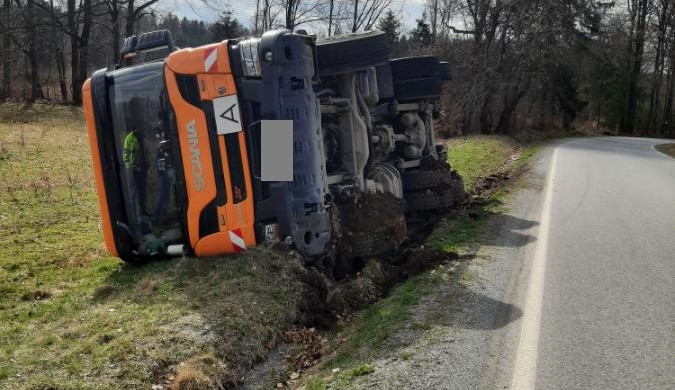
<point>309,347</point>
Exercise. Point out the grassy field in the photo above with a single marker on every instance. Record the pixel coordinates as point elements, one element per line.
<point>72,317</point>
<point>668,149</point>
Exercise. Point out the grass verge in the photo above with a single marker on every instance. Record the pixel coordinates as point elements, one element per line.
<point>474,158</point>
<point>667,149</point>
<point>72,317</point>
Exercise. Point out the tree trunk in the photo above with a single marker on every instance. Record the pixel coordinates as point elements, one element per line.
<point>73,30</point>
<point>257,15</point>
<point>667,126</point>
<point>330,17</point>
<point>657,77</point>
<point>131,18</point>
<point>115,22</point>
<point>58,55</point>
<point>267,17</point>
<point>35,86</point>
<point>434,20</point>
<point>6,90</point>
<point>61,65</point>
<point>289,14</point>
<point>635,67</point>
<point>510,103</point>
<point>485,114</point>
<point>84,41</point>
<point>356,13</point>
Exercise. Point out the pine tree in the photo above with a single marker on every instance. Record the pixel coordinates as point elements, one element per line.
<point>391,26</point>
<point>227,26</point>
<point>421,34</point>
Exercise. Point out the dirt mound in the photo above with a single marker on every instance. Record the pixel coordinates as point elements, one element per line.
<point>368,211</point>
<point>379,275</point>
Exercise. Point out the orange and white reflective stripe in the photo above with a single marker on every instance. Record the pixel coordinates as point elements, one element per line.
<point>210,57</point>
<point>237,240</point>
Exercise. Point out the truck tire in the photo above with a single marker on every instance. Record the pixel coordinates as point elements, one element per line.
<point>457,188</point>
<point>414,67</point>
<point>417,89</point>
<point>385,83</point>
<point>348,53</point>
<point>425,179</point>
<point>428,200</point>
<point>445,71</point>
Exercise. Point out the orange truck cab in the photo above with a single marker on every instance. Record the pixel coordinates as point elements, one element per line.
<point>176,146</point>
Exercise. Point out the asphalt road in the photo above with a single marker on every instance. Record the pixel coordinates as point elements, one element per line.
<point>600,303</point>
<point>573,286</point>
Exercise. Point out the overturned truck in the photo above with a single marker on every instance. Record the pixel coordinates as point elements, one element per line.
<point>327,146</point>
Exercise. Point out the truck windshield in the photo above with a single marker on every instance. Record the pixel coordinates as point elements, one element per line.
<point>144,156</point>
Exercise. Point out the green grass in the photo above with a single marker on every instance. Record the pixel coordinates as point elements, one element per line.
<point>380,320</point>
<point>668,149</point>
<point>71,316</point>
<point>477,156</point>
<point>342,380</point>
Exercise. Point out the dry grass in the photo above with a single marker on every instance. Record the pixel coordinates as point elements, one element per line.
<point>668,149</point>
<point>71,316</point>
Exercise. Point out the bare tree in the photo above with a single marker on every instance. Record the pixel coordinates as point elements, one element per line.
<point>30,23</point>
<point>667,124</point>
<point>135,12</point>
<point>266,14</point>
<point>114,9</point>
<point>56,39</point>
<point>331,8</point>
<point>6,49</point>
<point>638,13</point>
<point>299,12</point>
<point>366,13</point>
<point>665,20</point>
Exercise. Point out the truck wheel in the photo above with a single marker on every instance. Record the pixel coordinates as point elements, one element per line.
<point>348,53</point>
<point>417,89</point>
<point>445,71</point>
<point>385,81</point>
<point>414,67</point>
<point>425,179</point>
<point>457,187</point>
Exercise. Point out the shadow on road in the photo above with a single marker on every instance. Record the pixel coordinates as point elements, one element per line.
<point>509,235</point>
<point>483,312</point>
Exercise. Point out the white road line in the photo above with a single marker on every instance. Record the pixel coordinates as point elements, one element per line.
<point>525,368</point>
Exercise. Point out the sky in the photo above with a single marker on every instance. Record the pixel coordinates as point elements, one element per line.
<point>208,10</point>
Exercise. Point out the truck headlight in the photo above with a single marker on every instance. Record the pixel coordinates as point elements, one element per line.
<point>249,50</point>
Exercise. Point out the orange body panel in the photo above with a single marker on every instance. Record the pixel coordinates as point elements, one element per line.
<point>215,79</point>
<point>88,108</point>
